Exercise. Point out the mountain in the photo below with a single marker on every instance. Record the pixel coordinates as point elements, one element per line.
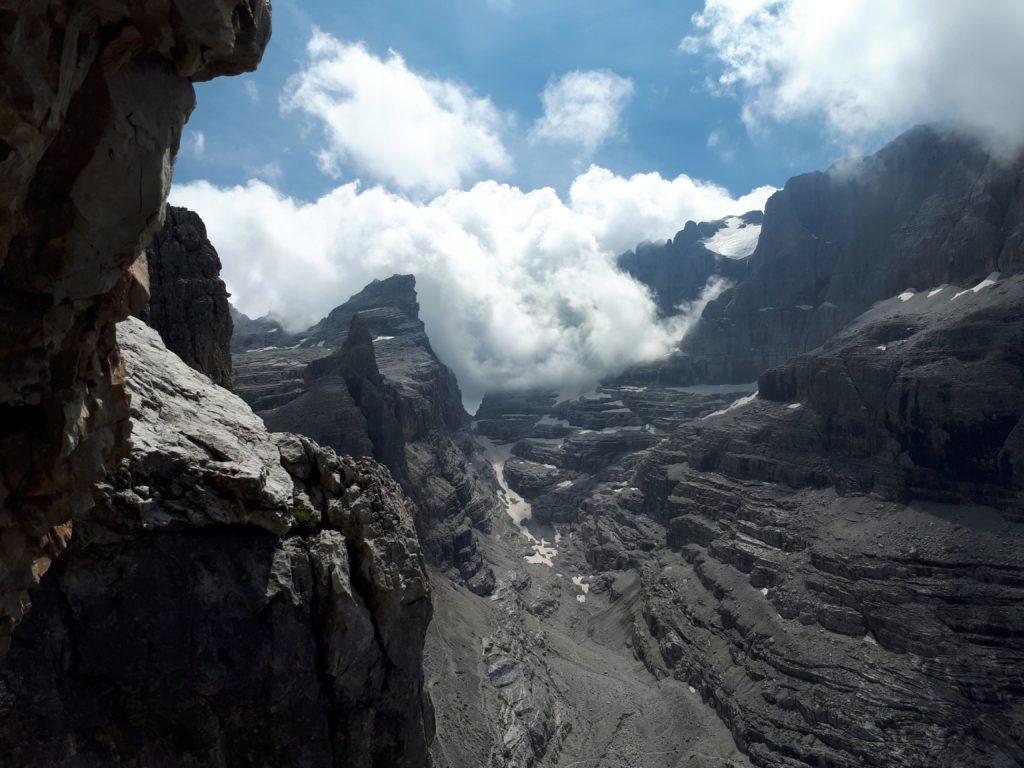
<point>94,100</point>
<point>177,585</point>
<point>188,303</point>
<point>824,542</point>
<point>931,208</point>
<point>365,381</point>
<point>678,270</point>
<point>264,595</point>
<point>795,542</point>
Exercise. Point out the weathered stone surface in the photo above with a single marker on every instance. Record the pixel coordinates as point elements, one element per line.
<point>188,302</point>
<point>678,270</point>
<point>508,416</point>
<point>929,209</point>
<point>366,382</point>
<point>93,98</point>
<point>832,563</point>
<point>236,598</point>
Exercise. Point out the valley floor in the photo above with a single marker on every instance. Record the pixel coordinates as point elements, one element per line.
<point>543,672</point>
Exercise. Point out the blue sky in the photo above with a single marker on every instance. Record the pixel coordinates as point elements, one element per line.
<point>508,52</point>
<point>506,151</point>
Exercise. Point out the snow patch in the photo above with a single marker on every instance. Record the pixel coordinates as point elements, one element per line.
<point>906,296</point>
<point>988,282</point>
<point>736,240</point>
<point>737,404</point>
<point>581,582</point>
<point>543,553</point>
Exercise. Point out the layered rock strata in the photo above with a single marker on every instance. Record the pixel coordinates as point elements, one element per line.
<point>188,302</point>
<point>93,98</point>
<point>829,557</point>
<point>932,208</point>
<point>236,597</point>
<point>678,271</point>
<point>365,381</point>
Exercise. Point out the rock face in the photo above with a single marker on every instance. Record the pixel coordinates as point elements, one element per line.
<point>235,598</point>
<point>188,302</point>
<point>365,381</point>
<point>929,209</point>
<point>850,543</point>
<point>677,271</point>
<point>93,98</point>
<point>828,555</point>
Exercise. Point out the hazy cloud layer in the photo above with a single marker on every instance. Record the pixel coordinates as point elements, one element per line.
<point>419,134</point>
<point>517,288</point>
<point>871,67</point>
<point>583,109</point>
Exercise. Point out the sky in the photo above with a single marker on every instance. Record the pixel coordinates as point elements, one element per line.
<point>505,151</point>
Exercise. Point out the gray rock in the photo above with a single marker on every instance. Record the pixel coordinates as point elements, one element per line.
<point>929,209</point>
<point>366,382</point>
<point>678,270</point>
<point>236,597</point>
<point>188,302</point>
<point>93,98</point>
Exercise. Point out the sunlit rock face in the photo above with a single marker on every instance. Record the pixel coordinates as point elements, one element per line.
<point>93,98</point>
<point>365,380</point>
<point>234,597</point>
<point>188,302</point>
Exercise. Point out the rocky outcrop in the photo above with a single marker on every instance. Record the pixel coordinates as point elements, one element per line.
<point>365,381</point>
<point>921,397</point>
<point>93,98</point>
<point>829,556</point>
<point>508,416</point>
<point>188,302</point>
<point>930,209</point>
<point>679,270</point>
<point>235,598</point>
<point>254,334</point>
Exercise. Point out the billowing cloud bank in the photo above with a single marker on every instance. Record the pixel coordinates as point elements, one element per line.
<point>417,133</point>
<point>517,288</point>
<point>871,67</point>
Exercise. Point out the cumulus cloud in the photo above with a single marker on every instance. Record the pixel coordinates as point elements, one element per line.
<point>583,108</point>
<point>516,287</point>
<point>871,67</point>
<point>421,135</point>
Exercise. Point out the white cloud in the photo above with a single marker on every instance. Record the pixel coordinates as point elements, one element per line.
<point>583,108</point>
<point>870,67</point>
<point>251,90</point>
<point>516,288</point>
<point>270,172</point>
<point>690,44</point>
<point>719,143</point>
<point>195,143</point>
<point>419,134</point>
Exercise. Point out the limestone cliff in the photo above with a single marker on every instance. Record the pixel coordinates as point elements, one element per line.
<point>235,598</point>
<point>93,97</point>
<point>188,302</point>
<point>929,209</point>
<point>365,380</point>
<point>828,554</point>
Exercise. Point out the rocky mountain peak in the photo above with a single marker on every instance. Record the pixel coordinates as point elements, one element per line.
<point>188,302</point>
